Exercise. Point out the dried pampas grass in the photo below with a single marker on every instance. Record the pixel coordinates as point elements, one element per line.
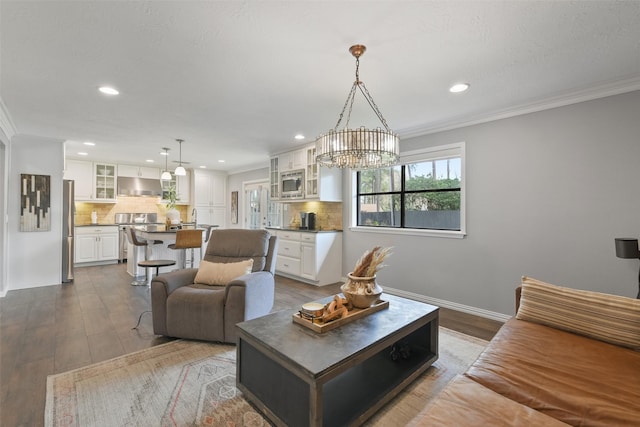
<point>371,262</point>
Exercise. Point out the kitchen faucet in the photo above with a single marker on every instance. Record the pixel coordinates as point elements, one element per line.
<point>194,217</point>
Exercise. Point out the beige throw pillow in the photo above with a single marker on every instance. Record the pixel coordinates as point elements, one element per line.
<point>609,318</point>
<point>213,273</point>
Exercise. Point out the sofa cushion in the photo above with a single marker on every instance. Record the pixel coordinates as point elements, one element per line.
<point>610,318</point>
<point>572,378</point>
<point>214,273</point>
<point>466,403</point>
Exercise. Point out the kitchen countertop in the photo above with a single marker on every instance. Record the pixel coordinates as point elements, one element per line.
<point>163,228</point>
<point>303,231</point>
<point>142,224</point>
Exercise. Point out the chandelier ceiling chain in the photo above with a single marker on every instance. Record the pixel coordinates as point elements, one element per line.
<point>358,148</point>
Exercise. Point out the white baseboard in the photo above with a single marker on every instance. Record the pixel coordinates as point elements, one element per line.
<point>448,304</point>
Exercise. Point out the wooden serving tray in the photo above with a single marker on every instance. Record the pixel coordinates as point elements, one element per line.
<point>318,325</point>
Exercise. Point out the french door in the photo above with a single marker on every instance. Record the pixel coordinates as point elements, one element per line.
<point>259,210</point>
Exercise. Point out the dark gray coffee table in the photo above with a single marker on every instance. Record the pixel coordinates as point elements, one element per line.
<point>298,377</point>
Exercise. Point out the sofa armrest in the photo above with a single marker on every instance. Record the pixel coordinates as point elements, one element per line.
<point>518,295</point>
<point>161,287</point>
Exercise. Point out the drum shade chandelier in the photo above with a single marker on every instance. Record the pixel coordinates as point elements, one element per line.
<point>358,148</point>
<point>180,170</point>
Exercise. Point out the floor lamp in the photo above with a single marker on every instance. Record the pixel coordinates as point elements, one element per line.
<point>628,248</point>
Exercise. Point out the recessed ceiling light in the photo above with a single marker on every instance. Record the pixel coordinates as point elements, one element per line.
<point>299,136</point>
<point>164,153</point>
<point>459,87</point>
<point>203,167</point>
<point>220,161</point>
<point>89,143</point>
<point>149,161</point>
<point>107,90</point>
<point>82,153</point>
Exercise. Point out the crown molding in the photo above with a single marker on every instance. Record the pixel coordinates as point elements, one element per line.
<point>586,94</point>
<point>6,124</point>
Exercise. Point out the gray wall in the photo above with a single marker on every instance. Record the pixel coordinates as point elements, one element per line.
<point>235,183</point>
<point>547,193</point>
<point>35,258</point>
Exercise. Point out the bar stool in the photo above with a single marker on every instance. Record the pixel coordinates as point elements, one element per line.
<point>133,239</point>
<point>187,239</point>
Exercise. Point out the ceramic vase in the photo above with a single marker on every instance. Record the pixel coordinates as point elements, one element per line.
<point>361,292</point>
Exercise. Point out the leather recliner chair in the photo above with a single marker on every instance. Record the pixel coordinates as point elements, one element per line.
<point>183,309</point>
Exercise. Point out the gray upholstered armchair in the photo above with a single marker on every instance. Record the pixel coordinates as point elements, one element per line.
<point>183,309</point>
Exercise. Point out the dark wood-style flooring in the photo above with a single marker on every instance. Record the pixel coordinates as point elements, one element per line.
<point>54,329</point>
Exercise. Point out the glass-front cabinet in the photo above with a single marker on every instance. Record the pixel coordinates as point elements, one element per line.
<point>311,173</point>
<point>105,181</point>
<point>274,179</point>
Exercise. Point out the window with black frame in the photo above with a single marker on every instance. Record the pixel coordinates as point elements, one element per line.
<point>419,195</point>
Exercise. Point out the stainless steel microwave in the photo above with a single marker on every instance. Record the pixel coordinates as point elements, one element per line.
<point>292,184</point>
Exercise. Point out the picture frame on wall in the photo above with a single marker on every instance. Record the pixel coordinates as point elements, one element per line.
<point>35,202</point>
<point>234,207</point>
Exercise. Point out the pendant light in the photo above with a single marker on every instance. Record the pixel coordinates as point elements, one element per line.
<point>180,170</point>
<point>166,175</point>
<point>358,148</point>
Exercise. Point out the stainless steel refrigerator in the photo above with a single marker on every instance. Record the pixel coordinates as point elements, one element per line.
<point>68,230</point>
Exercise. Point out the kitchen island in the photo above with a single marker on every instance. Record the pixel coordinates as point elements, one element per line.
<point>161,251</point>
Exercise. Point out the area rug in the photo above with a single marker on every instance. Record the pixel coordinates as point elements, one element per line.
<point>189,383</point>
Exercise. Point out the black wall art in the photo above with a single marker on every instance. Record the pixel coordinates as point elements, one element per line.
<point>35,202</point>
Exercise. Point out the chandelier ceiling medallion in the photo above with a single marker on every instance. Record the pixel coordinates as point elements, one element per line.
<point>358,148</point>
<point>180,170</point>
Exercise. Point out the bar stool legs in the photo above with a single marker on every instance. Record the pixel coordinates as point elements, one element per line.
<point>152,263</point>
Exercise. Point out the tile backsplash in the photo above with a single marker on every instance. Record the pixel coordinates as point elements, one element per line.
<point>328,214</point>
<point>107,211</point>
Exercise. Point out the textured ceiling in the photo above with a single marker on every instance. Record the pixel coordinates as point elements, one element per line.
<point>238,79</point>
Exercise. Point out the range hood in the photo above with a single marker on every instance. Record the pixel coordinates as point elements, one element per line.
<point>145,187</point>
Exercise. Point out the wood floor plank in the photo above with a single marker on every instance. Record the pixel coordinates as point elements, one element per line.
<point>71,351</point>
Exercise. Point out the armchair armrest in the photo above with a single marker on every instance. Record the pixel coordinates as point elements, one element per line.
<point>247,297</point>
<point>175,279</point>
<point>161,288</point>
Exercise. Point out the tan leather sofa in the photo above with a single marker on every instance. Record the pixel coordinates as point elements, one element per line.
<point>533,374</point>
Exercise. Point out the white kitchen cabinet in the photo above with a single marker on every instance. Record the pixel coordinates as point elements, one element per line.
<point>314,258</point>
<point>138,171</point>
<point>293,160</point>
<point>183,189</point>
<point>96,245</point>
<point>308,261</point>
<point>209,188</point>
<point>94,182</point>
<point>86,248</point>
<point>212,216</point>
<point>81,172</point>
